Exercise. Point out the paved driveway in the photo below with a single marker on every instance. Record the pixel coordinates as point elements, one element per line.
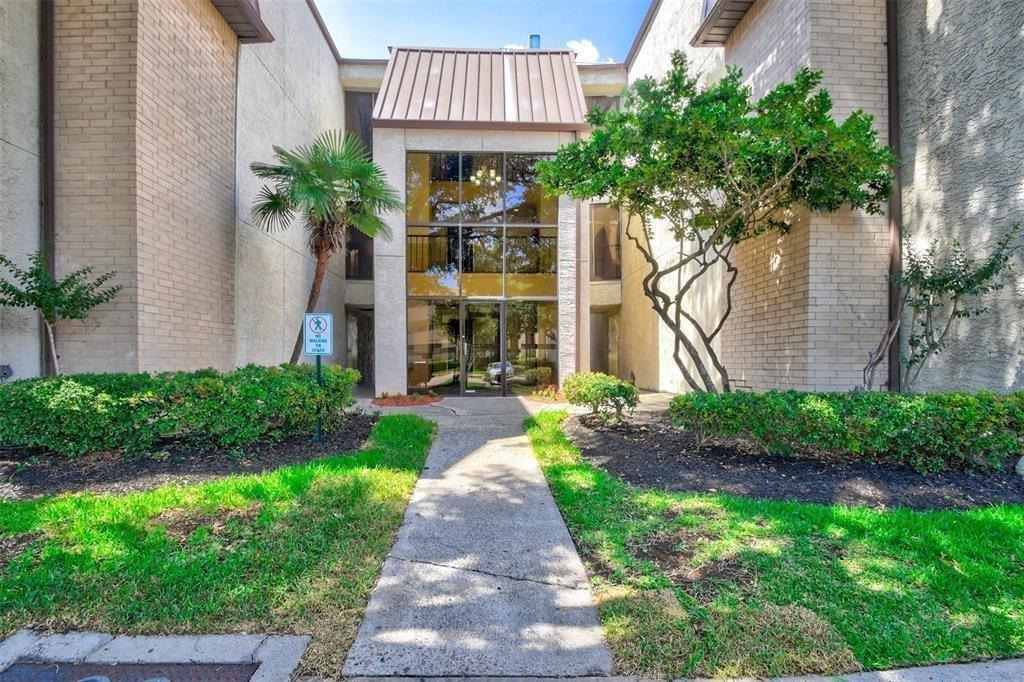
<point>483,578</point>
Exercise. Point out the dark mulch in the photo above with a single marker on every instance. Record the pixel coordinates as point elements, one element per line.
<point>25,474</point>
<point>648,450</point>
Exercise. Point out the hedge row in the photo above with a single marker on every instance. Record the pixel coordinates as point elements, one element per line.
<point>928,431</point>
<point>76,414</point>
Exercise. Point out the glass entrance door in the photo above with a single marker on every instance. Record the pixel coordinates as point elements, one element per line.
<point>482,348</point>
<point>482,372</point>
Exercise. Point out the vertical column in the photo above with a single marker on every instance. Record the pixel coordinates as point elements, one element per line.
<point>583,285</point>
<point>389,297</point>
<point>568,286</point>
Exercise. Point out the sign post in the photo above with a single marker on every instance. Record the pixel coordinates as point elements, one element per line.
<point>318,340</point>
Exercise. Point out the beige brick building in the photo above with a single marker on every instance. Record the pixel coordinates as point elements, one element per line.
<point>150,112</point>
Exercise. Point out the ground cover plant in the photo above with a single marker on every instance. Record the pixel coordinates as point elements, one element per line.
<point>406,400</point>
<point>297,549</point>
<point>930,431</point>
<point>72,415</point>
<point>692,584</point>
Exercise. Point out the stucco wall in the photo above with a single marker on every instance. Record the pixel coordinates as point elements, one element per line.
<point>288,92</point>
<point>961,94</point>
<point>19,172</point>
<point>646,343</point>
<point>185,163</point>
<point>389,257</point>
<point>672,28</point>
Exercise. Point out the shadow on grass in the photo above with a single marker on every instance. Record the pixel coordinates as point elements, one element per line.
<point>826,589</point>
<point>305,562</point>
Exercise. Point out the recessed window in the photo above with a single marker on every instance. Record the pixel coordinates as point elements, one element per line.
<point>605,242</point>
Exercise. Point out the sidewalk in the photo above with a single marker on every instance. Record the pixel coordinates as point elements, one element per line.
<point>483,578</point>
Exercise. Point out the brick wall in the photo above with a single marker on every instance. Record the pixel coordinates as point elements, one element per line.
<point>185,136</point>
<point>810,306</point>
<point>145,110</point>
<point>95,175</point>
<point>849,250</point>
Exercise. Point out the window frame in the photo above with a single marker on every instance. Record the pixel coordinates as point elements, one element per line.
<point>463,224</point>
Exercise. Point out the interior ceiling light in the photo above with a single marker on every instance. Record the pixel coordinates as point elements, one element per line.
<point>480,178</point>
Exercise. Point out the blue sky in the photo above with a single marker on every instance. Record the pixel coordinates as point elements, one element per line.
<point>365,28</point>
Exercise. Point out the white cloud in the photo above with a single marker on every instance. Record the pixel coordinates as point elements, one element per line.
<point>586,51</point>
<point>513,46</point>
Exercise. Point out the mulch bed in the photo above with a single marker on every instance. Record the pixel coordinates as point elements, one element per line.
<point>648,450</point>
<point>414,400</point>
<point>25,474</point>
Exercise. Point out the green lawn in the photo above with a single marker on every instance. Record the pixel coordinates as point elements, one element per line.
<point>713,585</point>
<point>297,550</point>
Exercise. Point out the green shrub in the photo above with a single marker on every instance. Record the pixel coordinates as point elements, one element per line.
<point>76,414</point>
<point>928,431</point>
<point>603,394</point>
<point>538,376</point>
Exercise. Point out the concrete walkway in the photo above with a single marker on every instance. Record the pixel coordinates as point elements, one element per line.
<point>483,578</point>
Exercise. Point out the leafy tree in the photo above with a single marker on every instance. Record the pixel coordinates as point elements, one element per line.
<point>332,185</point>
<point>70,298</point>
<point>939,290</point>
<point>719,168</point>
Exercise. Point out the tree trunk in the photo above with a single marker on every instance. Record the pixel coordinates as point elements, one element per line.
<point>323,254</point>
<point>50,344</point>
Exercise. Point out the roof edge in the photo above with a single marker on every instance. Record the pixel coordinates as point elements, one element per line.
<point>427,124</point>
<point>496,50</point>
<point>247,24</point>
<point>641,33</point>
<point>323,30</point>
<point>716,21</point>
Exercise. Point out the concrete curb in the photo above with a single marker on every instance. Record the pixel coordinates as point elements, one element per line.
<point>277,655</point>
<point>1008,670</point>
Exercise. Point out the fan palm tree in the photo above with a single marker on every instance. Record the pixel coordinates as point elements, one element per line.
<point>332,185</point>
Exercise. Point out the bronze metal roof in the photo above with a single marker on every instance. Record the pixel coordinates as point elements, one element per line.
<point>470,88</point>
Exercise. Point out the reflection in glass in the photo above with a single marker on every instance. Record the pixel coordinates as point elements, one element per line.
<point>482,188</point>
<point>531,257</point>
<point>605,239</point>
<point>433,346</point>
<point>525,201</point>
<point>531,345</point>
<point>481,261</point>
<point>432,260</point>
<point>483,348</point>
<point>432,188</point>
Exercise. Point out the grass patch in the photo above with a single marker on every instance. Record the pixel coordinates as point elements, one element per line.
<point>297,549</point>
<point>713,585</point>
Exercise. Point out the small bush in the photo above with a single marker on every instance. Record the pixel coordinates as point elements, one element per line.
<point>928,431</point>
<point>603,394</point>
<point>538,376</point>
<point>76,414</point>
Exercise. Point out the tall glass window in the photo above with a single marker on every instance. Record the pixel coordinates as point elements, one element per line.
<point>482,262</point>
<point>479,225</point>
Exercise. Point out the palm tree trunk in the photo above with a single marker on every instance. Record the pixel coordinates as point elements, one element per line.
<point>323,254</point>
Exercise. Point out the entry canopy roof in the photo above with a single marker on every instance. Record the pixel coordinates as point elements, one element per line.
<point>481,89</point>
